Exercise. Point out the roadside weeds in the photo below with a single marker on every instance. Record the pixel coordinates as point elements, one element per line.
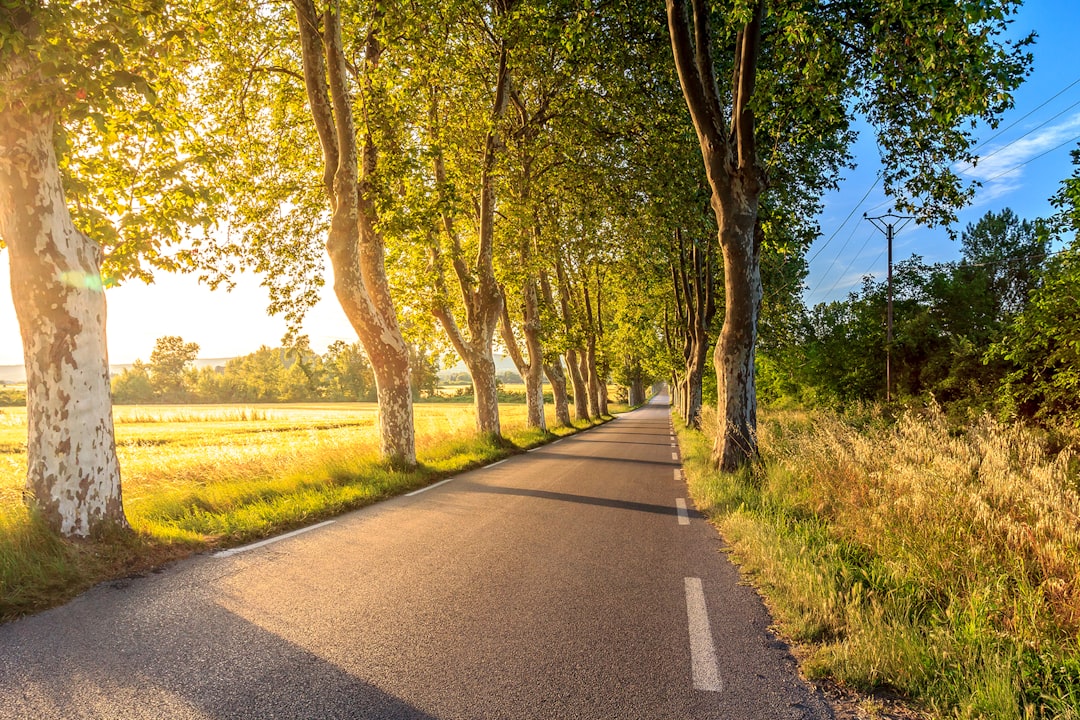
<point>910,562</point>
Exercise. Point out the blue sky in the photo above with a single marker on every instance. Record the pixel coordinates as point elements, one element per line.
<point>1025,160</point>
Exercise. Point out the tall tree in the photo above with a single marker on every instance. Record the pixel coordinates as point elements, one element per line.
<point>76,80</point>
<point>918,71</point>
<point>355,243</point>
<point>481,297</point>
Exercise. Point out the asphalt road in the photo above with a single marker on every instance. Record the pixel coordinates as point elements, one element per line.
<point>563,583</point>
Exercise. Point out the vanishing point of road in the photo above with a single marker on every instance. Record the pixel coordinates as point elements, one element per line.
<point>569,582</point>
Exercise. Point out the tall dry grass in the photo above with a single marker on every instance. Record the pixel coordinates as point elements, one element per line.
<point>944,565</point>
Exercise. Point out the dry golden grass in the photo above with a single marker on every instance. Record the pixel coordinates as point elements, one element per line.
<point>944,565</point>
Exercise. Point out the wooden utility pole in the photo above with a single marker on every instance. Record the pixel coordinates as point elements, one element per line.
<point>890,224</point>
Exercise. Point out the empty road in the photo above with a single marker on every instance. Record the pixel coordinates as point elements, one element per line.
<point>568,582</point>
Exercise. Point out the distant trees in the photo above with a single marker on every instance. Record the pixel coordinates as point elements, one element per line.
<point>964,331</point>
<point>342,373</point>
<point>169,363</point>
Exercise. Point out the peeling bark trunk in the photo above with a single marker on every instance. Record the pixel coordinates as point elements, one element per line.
<point>726,136</point>
<point>557,378</point>
<point>588,371</point>
<point>602,390</point>
<point>736,442</point>
<point>581,392</point>
<point>485,393</point>
<point>356,249</point>
<point>530,369</point>
<point>73,476</point>
<point>554,370</point>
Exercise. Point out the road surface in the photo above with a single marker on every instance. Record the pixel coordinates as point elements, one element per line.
<point>568,582</point>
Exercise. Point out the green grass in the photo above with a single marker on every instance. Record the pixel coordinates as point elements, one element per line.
<point>203,477</point>
<point>908,558</point>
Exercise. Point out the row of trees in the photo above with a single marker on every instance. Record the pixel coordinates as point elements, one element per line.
<point>512,166</point>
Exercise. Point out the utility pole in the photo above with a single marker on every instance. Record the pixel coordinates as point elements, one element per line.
<point>890,224</point>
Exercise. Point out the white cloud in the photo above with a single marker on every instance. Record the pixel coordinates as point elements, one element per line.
<point>997,169</point>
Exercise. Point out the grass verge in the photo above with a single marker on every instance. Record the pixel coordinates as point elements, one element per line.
<point>904,557</point>
<point>193,484</point>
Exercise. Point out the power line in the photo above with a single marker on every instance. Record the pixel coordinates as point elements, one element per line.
<point>1013,142</point>
<point>869,190</point>
<point>1032,159</point>
<point>1028,114</point>
<point>844,273</point>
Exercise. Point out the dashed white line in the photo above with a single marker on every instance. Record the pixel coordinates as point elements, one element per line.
<point>680,510</point>
<point>678,474</point>
<point>703,664</point>
<point>262,543</point>
<point>674,445</point>
<point>674,456</point>
<point>429,487</point>
<point>496,463</point>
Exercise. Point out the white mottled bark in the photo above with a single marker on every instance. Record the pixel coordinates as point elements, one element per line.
<point>73,476</point>
<point>355,246</point>
<point>581,392</point>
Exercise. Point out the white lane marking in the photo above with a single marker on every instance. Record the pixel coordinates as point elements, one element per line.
<point>678,474</point>
<point>495,463</point>
<point>680,509</point>
<point>674,456</point>
<point>702,651</point>
<point>429,487</point>
<point>262,543</point>
<point>674,445</point>
<point>534,449</point>
<point>671,438</point>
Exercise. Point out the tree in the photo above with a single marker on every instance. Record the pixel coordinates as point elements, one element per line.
<point>133,385</point>
<point>169,362</point>
<point>1042,342</point>
<point>797,73</point>
<point>77,76</point>
<point>355,244</point>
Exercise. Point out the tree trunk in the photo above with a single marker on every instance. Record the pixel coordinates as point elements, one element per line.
<point>554,371</point>
<point>557,377</point>
<point>73,476</point>
<point>602,390</point>
<point>736,441</point>
<point>581,391</point>
<point>636,392</point>
<point>695,369</point>
<point>588,371</point>
<point>531,369</point>
<point>726,135</point>
<point>356,248</point>
<point>481,295</point>
<point>485,393</point>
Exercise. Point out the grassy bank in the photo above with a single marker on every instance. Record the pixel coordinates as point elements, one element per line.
<point>200,477</point>
<point>941,566</point>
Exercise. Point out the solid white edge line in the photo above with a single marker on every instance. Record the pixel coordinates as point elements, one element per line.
<point>680,510</point>
<point>429,487</point>
<point>262,543</point>
<point>496,463</point>
<point>703,664</point>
